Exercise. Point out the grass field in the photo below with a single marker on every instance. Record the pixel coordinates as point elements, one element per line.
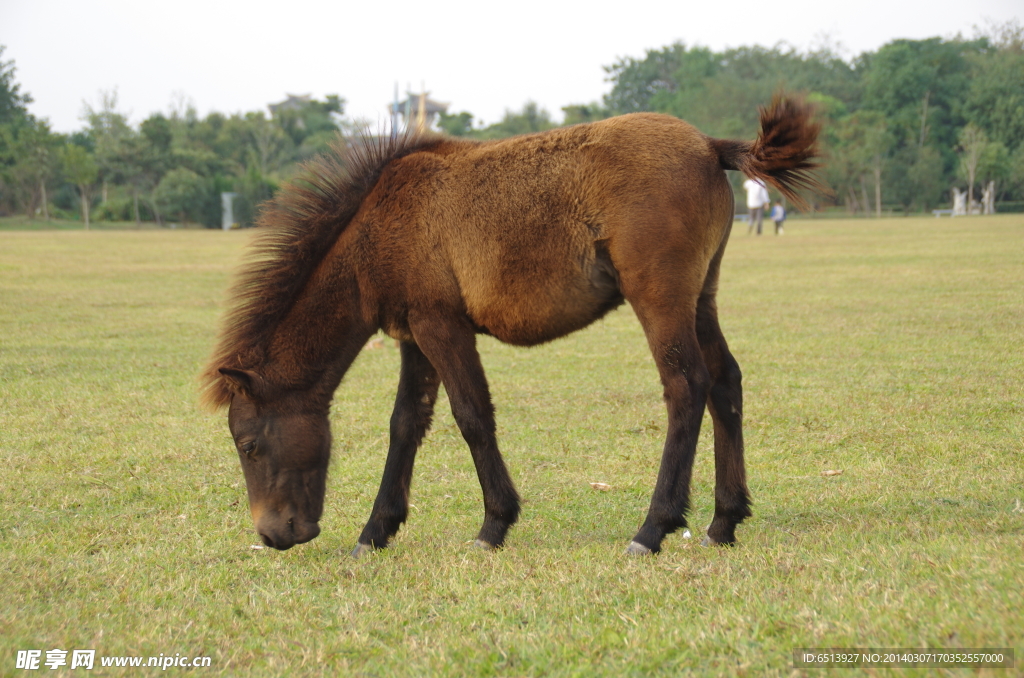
<point>23,223</point>
<point>890,350</point>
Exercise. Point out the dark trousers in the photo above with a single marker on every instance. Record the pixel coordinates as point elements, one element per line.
<point>754,214</point>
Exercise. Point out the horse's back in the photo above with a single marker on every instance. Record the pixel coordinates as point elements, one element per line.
<point>529,234</point>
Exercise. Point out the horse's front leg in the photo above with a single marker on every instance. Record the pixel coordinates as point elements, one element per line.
<point>449,342</point>
<point>410,421</point>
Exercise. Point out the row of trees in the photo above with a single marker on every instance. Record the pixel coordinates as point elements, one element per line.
<point>170,168</point>
<point>902,125</point>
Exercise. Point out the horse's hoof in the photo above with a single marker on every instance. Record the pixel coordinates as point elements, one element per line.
<point>637,549</point>
<point>360,550</point>
<point>482,545</point>
<point>708,541</point>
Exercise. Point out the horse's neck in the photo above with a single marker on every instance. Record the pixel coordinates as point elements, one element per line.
<point>320,336</point>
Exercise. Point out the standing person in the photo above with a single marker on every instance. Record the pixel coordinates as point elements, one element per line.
<point>778,216</point>
<point>757,200</point>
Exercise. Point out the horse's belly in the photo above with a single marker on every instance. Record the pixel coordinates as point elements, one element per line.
<point>535,311</point>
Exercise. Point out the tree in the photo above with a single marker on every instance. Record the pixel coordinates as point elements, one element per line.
<point>181,191</point>
<point>859,146</point>
<point>720,92</point>
<point>841,142</point>
<point>920,85</point>
<point>914,177</point>
<point>312,126</point>
<point>456,124</point>
<point>253,189</point>
<point>269,145</point>
<point>580,113</point>
<point>80,168</point>
<point>972,146</point>
<point>37,151</point>
<point>531,118</point>
<point>13,104</point>
<point>15,125</point>
<point>875,145</point>
<point>995,100</point>
<point>112,138</point>
<point>138,163</point>
<point>1016,169</point>
<point>995,163</point>
<point>637,81</point>
<point>926,178</point>
<point>151,157</point>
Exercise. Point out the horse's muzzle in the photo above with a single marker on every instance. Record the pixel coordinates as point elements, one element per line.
<point>284,536</point>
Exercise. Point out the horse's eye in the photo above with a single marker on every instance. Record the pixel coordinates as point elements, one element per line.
<point>248,448</point>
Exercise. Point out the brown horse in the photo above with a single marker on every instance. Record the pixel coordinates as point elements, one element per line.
<point>435,240</point>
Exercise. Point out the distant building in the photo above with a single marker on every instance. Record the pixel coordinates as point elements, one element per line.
<point>294,102</point>
<point>418,111</point>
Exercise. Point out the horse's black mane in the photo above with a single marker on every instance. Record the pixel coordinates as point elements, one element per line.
<point>296,230</point>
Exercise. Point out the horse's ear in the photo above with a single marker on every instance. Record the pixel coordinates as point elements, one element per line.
<point>245,382</point>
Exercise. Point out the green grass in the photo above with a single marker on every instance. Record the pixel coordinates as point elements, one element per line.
<point>23,223</point>
<point>889,349</point>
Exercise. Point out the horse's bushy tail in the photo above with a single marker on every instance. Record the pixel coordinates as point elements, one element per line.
<point>784,151</point>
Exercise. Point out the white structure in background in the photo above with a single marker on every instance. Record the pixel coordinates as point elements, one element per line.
<point>959,202</point>
<point>417,111</point>
<point>962,209</point>
<point>988,198</point>
<point>227,211</point>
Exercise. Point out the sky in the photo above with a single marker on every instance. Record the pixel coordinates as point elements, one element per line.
<point>480,57</point>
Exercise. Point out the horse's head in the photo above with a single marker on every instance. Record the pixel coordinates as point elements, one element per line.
<point>284,445</point>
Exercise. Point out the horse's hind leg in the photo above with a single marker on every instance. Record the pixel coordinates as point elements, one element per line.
<point>670,332</point>
<point>414,408</point>
<point>450,344</point>
<point>725,402</point>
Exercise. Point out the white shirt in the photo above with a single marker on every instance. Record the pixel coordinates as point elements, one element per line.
<point>757,193</point>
